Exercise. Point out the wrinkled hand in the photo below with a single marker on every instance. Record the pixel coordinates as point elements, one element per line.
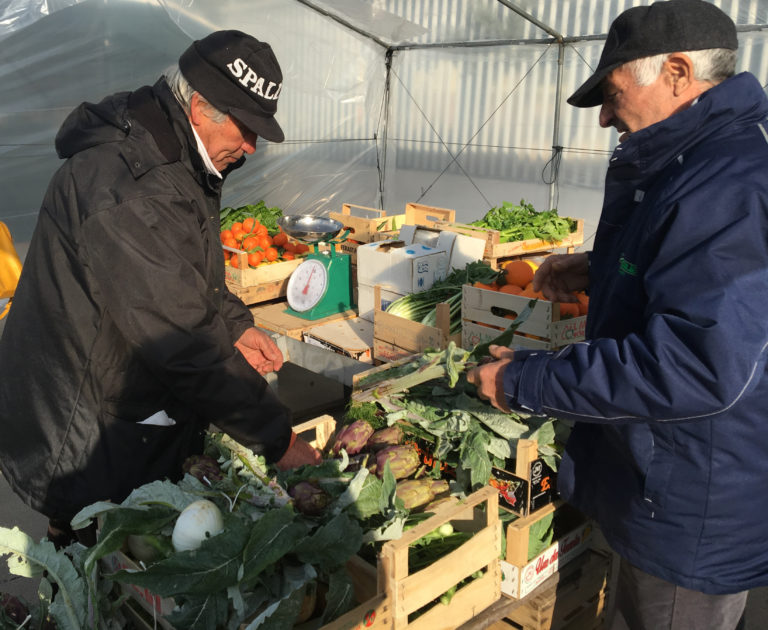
<point>489,377</point>
<point>260,351</point>
<point>300,453</point>
<point>562,274</point>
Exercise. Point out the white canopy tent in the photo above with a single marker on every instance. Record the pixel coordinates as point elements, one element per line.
<point>452,103</point>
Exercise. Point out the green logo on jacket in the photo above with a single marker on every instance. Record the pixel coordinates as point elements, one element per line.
<point>627,268</point>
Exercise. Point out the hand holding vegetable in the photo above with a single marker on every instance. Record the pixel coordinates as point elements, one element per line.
<point>299,453</point>
<point>489,377</point>
<point>562,274</point>
<point>260,351</point>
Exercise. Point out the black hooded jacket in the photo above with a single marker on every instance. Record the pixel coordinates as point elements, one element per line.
<point>122,312</point>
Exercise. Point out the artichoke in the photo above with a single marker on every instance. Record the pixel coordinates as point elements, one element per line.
<point>309,499</point>
<point>390,436</point>
<point>202,467</point>
<point>352,438</point>
<point>403,460</point>
<point>415,492</point>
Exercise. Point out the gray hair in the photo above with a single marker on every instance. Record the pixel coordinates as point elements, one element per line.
<point>714,65</point>
<point>183,92</point>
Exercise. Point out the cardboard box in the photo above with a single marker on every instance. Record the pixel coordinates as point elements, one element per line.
<point>575,598</point>
<point>521,575</point>
<point>485,314</point>
<point>349,337</point>
<point>459,248</point>
<point>398,268</point>
<point>367,302</point>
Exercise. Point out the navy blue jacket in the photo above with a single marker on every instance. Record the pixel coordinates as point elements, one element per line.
<point>669,450</point>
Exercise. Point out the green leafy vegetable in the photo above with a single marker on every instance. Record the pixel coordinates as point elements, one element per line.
<point>522,222</point>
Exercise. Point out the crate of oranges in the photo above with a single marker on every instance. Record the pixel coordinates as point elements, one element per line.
<point>259,260</point>
<point>486,309</point>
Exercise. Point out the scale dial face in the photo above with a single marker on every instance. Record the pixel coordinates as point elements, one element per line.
<point>307,285</point>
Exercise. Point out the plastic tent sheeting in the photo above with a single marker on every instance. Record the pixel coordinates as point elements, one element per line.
<point>453,103</point>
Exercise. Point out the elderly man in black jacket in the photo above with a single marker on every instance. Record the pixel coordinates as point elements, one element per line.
<point>124,343</point>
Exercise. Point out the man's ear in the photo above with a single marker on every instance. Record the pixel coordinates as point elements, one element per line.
<point>195,110</point>
<point>680,69</point>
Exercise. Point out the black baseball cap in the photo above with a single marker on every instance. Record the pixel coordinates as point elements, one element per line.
<point>662,27</point>
<point>238,75</point>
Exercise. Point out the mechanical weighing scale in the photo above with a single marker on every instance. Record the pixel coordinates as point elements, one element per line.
<point>322,284</point>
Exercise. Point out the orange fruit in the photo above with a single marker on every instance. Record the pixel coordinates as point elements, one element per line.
<point>529,292</point>
<point>225,234</point>
<point>481,285</point>
<point>511,288</point>
<point>271,254</point>
<point>234,261</point>
<point>250,242</point>
<point>288,256</point>
<point>279,239</point>
<point>569,309</point>
<point>265,241</point>
<point>255,258</point>
<point>518,272</point>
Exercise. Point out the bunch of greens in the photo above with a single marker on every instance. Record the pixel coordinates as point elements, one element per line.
<point>431,397</point>
<point>422,306</point>
<point>259,211</point>
<point>522,222</point>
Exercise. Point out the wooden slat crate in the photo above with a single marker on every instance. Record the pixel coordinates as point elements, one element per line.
<point>365,229</point>
<point>410,592</point>
<point>577,602</point>
<point>427,216</point>
<point>273,317</point>
<point>395,337</point>
<point>522,574</point>
<point>483,318</point>
<point>254,285</point>
<point>495,252</point>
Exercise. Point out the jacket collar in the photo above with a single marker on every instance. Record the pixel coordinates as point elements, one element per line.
<point>650,149</point>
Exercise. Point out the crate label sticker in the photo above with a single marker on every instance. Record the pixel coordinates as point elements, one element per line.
<point>543,484</point>
<point>513,491</point>
<point>572,330</point>
<point>427,456</point>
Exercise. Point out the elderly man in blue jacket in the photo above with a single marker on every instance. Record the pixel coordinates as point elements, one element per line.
<point>668,394</point>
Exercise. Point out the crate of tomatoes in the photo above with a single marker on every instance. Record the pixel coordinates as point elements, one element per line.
<point>259,257</point>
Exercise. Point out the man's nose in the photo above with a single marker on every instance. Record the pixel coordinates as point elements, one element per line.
<point>249,142</point>
<point>606,115</point>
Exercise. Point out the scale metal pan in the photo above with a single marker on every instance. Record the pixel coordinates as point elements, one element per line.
<point>309,228</point>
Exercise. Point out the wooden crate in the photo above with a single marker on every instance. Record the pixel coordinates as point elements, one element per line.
<point>254,285</point>
<point>483,318</point>
<point>409,592</point>
<point>395,337</point>
<point>522,574</point>
<point>578,600</point>
<point>495,252</point>
<point>366,229</point>
<point>428,216</point>
<point>273,317</point>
